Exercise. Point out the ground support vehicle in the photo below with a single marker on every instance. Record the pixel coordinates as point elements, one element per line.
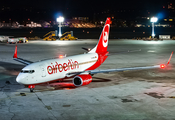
<point>50,36</point>
<point>68,36</point>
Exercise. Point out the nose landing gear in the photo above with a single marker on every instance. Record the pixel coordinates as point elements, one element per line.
<point>31,87</point>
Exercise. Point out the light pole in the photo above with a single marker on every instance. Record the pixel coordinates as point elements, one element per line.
<point>153,20</point>
<point>60,20</point>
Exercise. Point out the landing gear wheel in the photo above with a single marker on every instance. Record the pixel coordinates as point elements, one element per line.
<point>31,89</point>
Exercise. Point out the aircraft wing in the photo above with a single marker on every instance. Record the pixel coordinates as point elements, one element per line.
<point>132,68</point>
<point>122,69</point>
<point>26,62</point>
<point>92,72</point>
<point>15,57</point>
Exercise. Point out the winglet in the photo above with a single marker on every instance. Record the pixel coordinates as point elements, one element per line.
<point>15,53</point>
<point>169,58</point>
<point>163,65</point>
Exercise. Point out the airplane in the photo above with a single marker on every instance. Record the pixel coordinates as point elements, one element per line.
<point>79,67</point>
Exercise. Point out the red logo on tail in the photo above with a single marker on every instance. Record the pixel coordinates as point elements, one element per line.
<point>105,35</point>
<point>103,40</point>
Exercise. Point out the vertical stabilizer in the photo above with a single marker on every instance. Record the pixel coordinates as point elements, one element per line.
<point>102,44</point>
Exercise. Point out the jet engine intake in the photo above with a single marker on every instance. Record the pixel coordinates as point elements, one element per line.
<point>81,80</point>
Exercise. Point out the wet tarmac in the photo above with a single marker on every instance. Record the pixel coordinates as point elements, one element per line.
<point>137,95</point>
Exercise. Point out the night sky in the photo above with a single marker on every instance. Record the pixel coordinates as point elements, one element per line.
<point>48,10</point>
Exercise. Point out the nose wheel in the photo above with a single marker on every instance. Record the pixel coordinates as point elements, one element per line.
<point>31,87</point>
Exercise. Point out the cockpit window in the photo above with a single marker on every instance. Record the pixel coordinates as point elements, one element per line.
<point>27,71</point>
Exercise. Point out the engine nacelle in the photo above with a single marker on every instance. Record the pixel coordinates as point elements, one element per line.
<point>81,80</point>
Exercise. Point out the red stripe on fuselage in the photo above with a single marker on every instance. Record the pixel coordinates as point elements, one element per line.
<point>101,58</point>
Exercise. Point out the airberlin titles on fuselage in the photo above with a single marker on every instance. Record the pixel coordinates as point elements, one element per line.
<point>54,68</point>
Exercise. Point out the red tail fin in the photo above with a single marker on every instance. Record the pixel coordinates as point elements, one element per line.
<point>103,40</point>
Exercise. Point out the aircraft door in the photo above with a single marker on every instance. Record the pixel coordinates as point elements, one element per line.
<point>43,71</point>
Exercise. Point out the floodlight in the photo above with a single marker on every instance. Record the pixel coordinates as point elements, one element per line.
<point>154,19</point>
<point>60,19</point>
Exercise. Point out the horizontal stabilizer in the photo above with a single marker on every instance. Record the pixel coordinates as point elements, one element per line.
<point>87,49</point>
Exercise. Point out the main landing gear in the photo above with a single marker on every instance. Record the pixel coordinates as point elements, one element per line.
<point>31,87</point>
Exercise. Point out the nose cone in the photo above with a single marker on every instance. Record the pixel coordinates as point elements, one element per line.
<point>20,78</point>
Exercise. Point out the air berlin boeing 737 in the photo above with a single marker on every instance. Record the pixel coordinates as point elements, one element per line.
<point>79,67</point>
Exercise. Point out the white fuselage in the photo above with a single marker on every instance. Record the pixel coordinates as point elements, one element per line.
<point>55,69</point>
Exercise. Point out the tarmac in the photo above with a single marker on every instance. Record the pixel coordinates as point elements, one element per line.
<point>130,95</point>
